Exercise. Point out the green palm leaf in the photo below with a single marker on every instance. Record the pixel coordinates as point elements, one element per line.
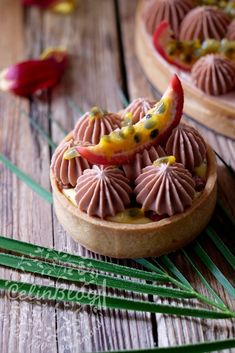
<point>174,270</point>
<point>75,275</point>
<point>74,106</point>
<point>204,281</point>
<point>41,252</point>
<point>102,301</point>
<point>187,348</point>
<point>184,283</point>
<point>205,258</point>
<point>46,195</point>
<point>221,246</point>
<point>40,130</point>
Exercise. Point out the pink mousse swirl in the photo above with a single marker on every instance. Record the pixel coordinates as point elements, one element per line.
<point>165,189</point>
<point>172,11</point>
<point>94,124</point>
<point>137,109</point>
<point>204,22</point>
<point>141,160</point>
<point>187,145</point>
<point>65,171</point>
<point>231,31</point>
<point>214,74</point>
<point>102,191</point>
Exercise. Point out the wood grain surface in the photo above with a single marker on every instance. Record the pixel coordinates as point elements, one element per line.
<point>99,37</point>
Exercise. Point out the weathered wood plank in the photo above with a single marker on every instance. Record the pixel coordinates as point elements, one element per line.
<point>172,331</point>
<point>91,37</point>
<point>24,327</point>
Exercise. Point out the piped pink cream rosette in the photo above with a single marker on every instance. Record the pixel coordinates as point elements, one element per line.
<point>141,160</point>
<point>136,110</point>
<point>102,191</point>
<point>94,124</point>
<point>67,171</point>
<point>204,22</point>
<point>214,74</point>
<point>165,187</point>
<point>187,145</point>
<point>172,11</point>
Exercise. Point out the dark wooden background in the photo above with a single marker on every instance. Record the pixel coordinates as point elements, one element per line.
<point>100,38</point>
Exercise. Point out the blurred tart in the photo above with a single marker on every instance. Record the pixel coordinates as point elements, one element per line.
<point>160,207</point>
<point>166,50</point>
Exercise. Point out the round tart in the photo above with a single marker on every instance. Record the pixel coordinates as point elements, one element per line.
<point>215,112</point>
<point>162,208</point>
<point>138,240</point>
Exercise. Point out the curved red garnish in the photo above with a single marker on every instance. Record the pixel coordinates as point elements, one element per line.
<point>161,37</point>
<point>60,6</point>
<point>123,150</point>
<point>40,3</point>
<point>31,76</point>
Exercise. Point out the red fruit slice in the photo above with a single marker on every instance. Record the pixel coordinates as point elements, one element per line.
<point>121,145</point>
<point>161,37</point>
<point>31,76</point>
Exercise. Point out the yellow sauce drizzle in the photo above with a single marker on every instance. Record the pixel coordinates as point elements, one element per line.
<point>201,170</point>
<point>131,216</point>
<point>164,160</point>
<point>96,113</point>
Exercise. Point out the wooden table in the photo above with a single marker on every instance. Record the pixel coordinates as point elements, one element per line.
<point>100,38</point>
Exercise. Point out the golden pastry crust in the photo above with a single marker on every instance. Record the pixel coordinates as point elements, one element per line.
<point>142,240</point>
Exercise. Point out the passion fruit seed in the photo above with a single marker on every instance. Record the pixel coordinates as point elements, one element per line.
<point>171,48</point>
<point>194,49</point>
<point>227,47</point>
<point>137,137</point>
<point>71,153</point>
<point>128,115</point>
<point>230,8</point>
<point>211,45</point>
<point>96,112</point>
<point>118,134</point>
<point>131,216</point>
<point>127,122</point>
<point>187,58</point>
<point>164,160</point>
<point>222,4</point>
<point>201,170</point>
<point>127,119</point>
<point>106,138</point>
<point>135,213</point>
<point>149,124</point>
<point>128,130</point>
<point>154,133</point>
<point>160,108</point>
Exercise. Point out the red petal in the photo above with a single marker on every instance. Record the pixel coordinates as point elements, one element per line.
<point>40,3</point>
<point>60,6</point>
<point>31,76</point>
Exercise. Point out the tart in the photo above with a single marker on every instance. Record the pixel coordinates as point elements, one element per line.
<point>214,108</point>
<point>158,196</point>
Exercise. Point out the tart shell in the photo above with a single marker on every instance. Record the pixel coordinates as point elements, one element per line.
<point>138,240</point>
<point>217,113</point>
